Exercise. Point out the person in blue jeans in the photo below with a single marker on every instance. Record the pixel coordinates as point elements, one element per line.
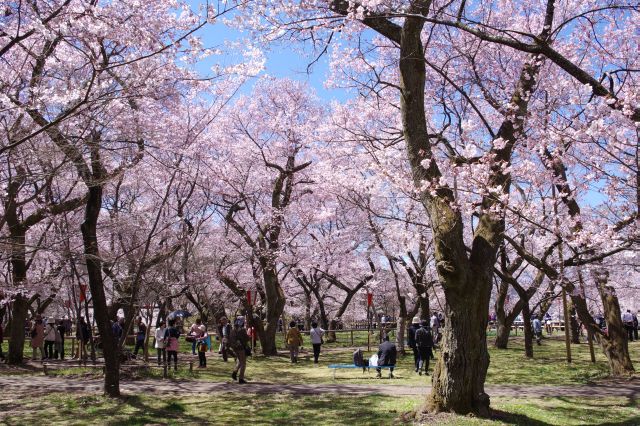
<point>197,331</point>
<point>140,336</point>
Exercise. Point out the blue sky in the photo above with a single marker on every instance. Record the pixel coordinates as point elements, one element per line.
<point>282,61</point>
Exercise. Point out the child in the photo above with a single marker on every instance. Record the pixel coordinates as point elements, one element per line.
<point>171,338</point>
<point>202,350</point>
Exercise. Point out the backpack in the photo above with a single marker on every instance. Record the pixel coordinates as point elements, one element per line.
<point>232,338</point>
<point>424,338</point>
<point>358,358</point>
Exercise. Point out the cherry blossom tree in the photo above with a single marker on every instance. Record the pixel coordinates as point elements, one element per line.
<point>467,114</point>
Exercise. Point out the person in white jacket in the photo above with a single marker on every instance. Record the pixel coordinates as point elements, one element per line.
<point>49,338</point>
<point>435,327</point>
<point>315,334</point>
<point>161,344</point>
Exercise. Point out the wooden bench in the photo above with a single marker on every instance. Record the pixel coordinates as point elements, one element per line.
<point>335,367</point>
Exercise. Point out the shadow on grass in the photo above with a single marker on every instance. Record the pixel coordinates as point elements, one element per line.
<point>516,419</point>
<point>168,412</point>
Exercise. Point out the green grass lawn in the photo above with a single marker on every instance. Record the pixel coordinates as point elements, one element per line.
<point>506,367</point>
<point>286,409</point>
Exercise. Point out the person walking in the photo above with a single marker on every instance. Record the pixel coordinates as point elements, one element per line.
<point>387,354</point>
<point>627,321</point>
<point>37,337</point>
<point>537,329</point>
<point>140,337</point>
<point>161,343</point>
<point>548,323</point>
<point>424,343</point>
<point>49,338</point>
<point>294,341</point>
<point>238,343</point>
<point>315,335</point>
<point>59,349</point>
<point>411,341</point>
<point>82,338</point>
<point>197,331</point>
<point>202,350</point>
<point>171,335</point>
<point>435,327</point>
<point>116,329</point>
<point>635,326</point>
<point>224,332</point>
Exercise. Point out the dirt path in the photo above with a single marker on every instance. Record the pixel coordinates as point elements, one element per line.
<point>18,384</point>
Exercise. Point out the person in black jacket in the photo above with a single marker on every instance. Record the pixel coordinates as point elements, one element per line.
<point>424,343</point>
<point>387,353</point>
<point>411,341</point>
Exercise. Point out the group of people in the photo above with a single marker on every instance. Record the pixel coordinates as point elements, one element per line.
<point>48,338</point>
<point>233,340</point>
<point>166,343</point>
<point>294,341</point>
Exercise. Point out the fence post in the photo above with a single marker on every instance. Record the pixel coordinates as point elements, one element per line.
<point>44,368</point>
<point>164,371</point>
<point>190,366</point>
<point>351,337</point>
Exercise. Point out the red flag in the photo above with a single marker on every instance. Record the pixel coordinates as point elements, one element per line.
<point>83,294</point>
<point>369,299</point>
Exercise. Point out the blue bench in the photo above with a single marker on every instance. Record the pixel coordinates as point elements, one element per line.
<point>335,367</point>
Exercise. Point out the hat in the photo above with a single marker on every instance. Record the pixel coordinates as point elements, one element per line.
<point>415,320</point>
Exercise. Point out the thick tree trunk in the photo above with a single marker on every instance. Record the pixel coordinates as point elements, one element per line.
<point>19,310</point>
<point>459,374</point>
<point>614,344</point>
<point>425,310</point>
<point>400,332</point>
<point>269,345</point>
<point>324,319</point>
<point>331,332</point>
<point>503,331</point>
<point>100,310</point>
<point>503,321</point>
<point>615,347</point>
<point>307,312</point>
<point>20,305</point>
<point>274,309</point>
<point>526,317</point>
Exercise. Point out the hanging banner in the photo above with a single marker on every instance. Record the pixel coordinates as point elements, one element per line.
<point>251,297</point>
<point>369,299</point>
